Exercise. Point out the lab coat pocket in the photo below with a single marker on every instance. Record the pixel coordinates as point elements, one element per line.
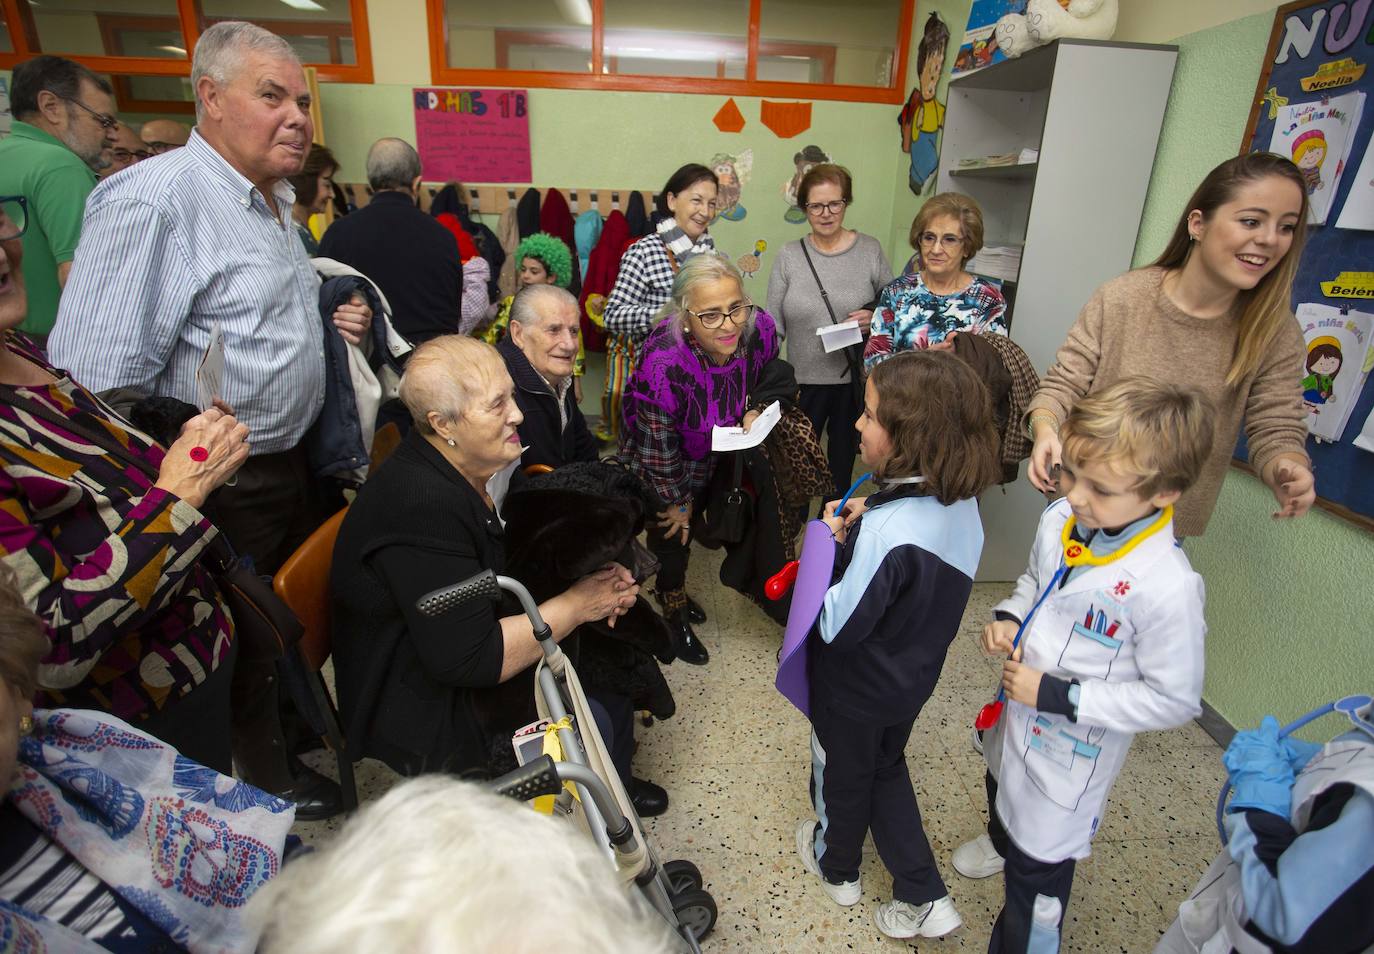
<point>1059,763</point>
<point>1092,647</point>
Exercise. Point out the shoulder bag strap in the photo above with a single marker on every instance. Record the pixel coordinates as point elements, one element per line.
<point>825,297</point>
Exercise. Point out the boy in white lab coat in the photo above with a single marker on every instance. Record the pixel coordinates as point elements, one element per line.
<point>1112,643</point>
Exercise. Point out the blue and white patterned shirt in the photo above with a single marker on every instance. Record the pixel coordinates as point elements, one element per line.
<point>168,248</point>
<point>911,317</point>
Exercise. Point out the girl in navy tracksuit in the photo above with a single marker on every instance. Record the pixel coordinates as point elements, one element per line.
<point>904,570</point>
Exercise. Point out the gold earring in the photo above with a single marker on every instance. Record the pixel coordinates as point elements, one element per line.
<point>26,725</point>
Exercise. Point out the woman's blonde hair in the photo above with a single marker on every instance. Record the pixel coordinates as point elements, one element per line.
<point>958,206</point>
<point>1267,307</point>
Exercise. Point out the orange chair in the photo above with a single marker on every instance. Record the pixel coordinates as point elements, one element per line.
<point>303,584</point>
<point>386,440</point>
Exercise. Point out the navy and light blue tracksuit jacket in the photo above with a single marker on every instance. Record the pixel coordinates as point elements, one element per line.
<point>903,575</point>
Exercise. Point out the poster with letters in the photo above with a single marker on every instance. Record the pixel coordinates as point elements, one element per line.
<point>473,135</point>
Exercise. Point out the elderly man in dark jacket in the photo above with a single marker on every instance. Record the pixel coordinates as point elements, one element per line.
<point>539,354</point>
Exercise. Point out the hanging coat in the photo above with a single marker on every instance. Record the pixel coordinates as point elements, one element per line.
<point>527,213</point>
<point>636,216</point>
<point>557,220</point>
<point>587,230</point>
<point>603,266</point>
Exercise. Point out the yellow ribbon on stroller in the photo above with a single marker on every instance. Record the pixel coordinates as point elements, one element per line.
<point>554,748</point>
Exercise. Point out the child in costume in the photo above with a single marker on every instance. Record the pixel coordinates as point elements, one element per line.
<point>905,566</point>
<point>543,259</point>
<point>1104,635</point>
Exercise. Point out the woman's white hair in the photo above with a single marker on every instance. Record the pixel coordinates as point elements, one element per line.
<point>445,374</point>
<point>699,269</point>
<point>219,52</point>
<point>440,865</point>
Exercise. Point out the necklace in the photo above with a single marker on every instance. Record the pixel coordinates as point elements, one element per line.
<point>1080,554</point>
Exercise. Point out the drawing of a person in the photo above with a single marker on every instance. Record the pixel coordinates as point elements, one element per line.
<point>1324,361</point>
<point>1309,149</point>
<point>923,117</point>
<point>731,171</point>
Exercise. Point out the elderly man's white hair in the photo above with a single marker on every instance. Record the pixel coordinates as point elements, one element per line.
<point>440,865</point>
<point>535,302</point>
<point>220,50</point>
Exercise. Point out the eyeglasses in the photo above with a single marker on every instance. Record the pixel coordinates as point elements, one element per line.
<point>159,148</point>
<point>14,216</point>
<point>105,119</point>
<point>834,208</point>
<point>138,155</point>
<point>714,319</point>
<point>930,240</point>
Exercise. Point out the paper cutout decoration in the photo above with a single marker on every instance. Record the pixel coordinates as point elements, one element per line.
<point>1350,285</point>
<point>923,116</point>
<point>785,119</point>
<point>1331,75</point>
<point>728,118</point>
<point>804,160</point>
<point>750,264</point>
<point>733,172</point>
<point>1358,211</point>
<point>814,572</point>
<point>1272,97</point>
<point>1318,136</point>
<point>1334,365</point>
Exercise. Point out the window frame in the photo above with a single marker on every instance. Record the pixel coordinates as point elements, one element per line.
<point>441,74</point>
<point>26,46</point>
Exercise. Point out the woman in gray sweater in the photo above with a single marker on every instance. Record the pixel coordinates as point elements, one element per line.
<point>849,269</point>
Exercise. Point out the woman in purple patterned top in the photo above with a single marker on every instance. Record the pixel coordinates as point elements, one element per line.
<point>106,555</point>
<point>699,368</point>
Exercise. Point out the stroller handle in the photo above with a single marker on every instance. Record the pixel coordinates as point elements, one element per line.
<point>544,776</point>
<point>485,585</point>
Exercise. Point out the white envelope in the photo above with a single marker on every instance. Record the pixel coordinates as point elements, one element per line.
<point>842,335</point>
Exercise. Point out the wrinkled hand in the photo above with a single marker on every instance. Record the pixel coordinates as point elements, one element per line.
<point>1257,763</point>
<point>1044,458</point>
<point>998,637</point>
<point>749,418</point>
<point>1295,489</point>
<point>1021,682</point>
<point>226,445</point>
<point>606,594</point>
<point>864,316</point>
<point>946,343</point>
<point>353,320</point>
<point>675,520</point>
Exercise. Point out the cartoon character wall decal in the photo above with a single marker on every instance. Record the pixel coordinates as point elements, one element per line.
<point>923,117</point>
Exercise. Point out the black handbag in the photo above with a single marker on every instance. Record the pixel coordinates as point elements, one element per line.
<point>854,363</point>
<point>729,509</point>
<point>265,626</point>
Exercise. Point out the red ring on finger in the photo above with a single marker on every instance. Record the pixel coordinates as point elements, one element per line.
<point>199,454</point>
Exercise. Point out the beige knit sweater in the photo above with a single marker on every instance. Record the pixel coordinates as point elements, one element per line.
<point>1131,327</point>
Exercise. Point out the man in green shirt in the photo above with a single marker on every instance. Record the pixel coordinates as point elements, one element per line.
<point>63,133</point>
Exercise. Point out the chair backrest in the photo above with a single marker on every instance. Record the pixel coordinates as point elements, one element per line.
<point>386,440</point>
<point>534,470</point>
<point>303,584</point>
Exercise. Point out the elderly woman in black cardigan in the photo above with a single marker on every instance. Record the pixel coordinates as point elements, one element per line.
<point>409,685</point>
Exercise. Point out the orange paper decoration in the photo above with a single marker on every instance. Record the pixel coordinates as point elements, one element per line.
<point>786,119</point>
<point>729,118</point>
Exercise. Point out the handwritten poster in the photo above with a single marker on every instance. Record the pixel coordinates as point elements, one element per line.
<point>473,135</point>
<point>1335,366</point>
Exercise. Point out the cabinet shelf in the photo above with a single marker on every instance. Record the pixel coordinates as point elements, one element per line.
<point>1021,170</point>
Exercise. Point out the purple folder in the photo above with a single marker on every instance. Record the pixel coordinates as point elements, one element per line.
<point>815,567</point>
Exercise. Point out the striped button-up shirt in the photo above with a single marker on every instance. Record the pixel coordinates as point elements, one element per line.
<point>169,248</point>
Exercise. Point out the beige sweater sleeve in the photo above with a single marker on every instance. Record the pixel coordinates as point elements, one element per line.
<point>1075,366</point>
<point>1275,422</point>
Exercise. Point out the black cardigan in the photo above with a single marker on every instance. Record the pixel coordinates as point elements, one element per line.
<point>542,430</point>
<point>410,687</point>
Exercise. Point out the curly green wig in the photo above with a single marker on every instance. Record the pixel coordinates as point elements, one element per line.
<point>551,252</point>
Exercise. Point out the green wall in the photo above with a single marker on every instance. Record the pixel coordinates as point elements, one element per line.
<point>1288,603</point>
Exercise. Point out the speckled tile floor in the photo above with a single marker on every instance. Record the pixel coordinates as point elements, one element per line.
<point>735,762</point>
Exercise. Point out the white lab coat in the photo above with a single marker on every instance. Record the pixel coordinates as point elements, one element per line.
<point>1139,663</point>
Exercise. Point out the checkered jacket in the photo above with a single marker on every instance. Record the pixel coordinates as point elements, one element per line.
<point>644,284</point>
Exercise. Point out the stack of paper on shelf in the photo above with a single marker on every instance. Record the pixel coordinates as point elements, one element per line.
<point>996,261</point>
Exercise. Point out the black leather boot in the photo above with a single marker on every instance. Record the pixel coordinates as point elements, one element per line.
<point>689,649</point>
<point>695,614</point>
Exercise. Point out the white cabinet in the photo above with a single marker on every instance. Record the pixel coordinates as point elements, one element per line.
<point>1093,110</point>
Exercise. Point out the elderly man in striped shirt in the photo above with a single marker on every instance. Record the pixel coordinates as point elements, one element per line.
<point>201,238</point>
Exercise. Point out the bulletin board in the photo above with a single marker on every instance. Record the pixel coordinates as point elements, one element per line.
<point>1320,52</point>
<point>473,135</point>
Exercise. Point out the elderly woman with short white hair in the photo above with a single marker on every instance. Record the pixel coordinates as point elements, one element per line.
<point>700,367</point>
<point>427,518</point>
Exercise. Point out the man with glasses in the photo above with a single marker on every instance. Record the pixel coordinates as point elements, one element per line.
<point>128,149</point>
<point>63,134</point>
<point>164,135</point>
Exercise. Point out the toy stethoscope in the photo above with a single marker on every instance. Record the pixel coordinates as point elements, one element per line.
<point>1350,707</point>
<point>779,583</point>
<point>1075,554</point>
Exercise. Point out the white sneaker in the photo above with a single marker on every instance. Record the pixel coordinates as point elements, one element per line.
<point>847,894</point>
<point>902,920</point>
<point>978,858</point>
<point>978,741</point>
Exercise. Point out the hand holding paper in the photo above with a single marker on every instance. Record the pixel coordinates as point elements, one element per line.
<point>737,438</point>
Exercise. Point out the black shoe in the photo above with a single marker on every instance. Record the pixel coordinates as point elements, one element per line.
<point>695,614</point>
<point>688,648</point>
<point>647,798</point>
<point>317,797</point>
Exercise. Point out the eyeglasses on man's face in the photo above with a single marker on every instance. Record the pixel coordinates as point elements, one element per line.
<point>948,240</point>
<point>738,315</point>
<point>105,120</point>
<point>124,155</point>
<point>834,208</point>
<point>14,216</point>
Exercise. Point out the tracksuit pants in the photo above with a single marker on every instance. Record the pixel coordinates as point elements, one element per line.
<point>1036,893</point>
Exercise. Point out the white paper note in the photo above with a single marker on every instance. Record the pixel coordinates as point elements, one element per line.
<point>210,373</point>
<point>735,438</point>
<point>842,335</point>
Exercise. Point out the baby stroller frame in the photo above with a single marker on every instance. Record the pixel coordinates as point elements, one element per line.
<point>602,805</point>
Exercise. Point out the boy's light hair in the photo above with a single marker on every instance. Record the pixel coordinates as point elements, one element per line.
<point>1159,433</point>
<point>439,865</point>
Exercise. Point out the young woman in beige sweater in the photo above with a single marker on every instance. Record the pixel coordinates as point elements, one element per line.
<point>1214,313</point>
